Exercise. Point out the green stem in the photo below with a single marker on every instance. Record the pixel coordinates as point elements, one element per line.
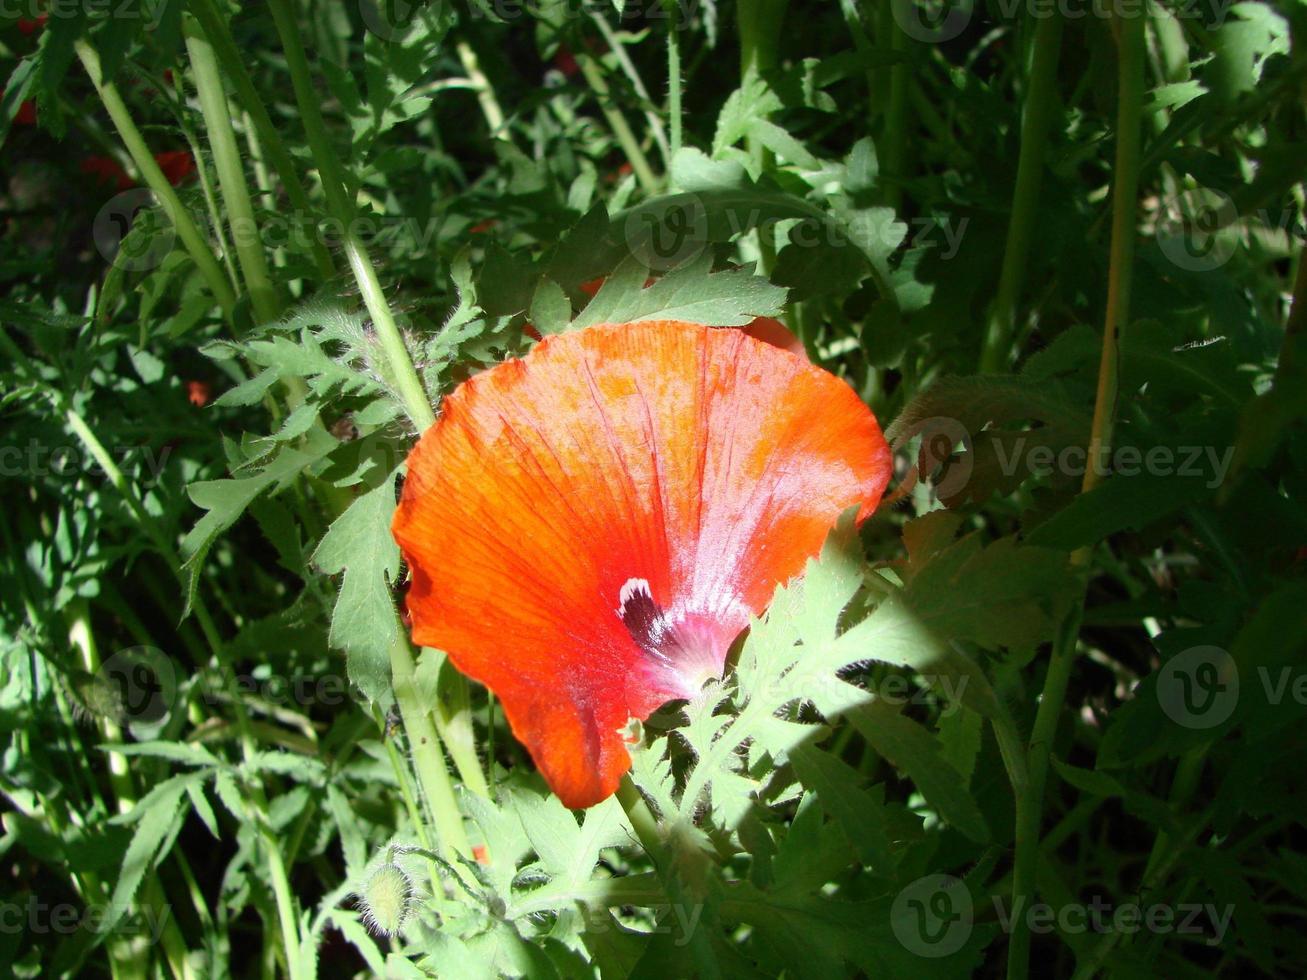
<point>675,114</point>
<point>454,722</point>
<point>1125,196</point>
<point>894,139</point>
<point>1041,97</point>
<point>190,236</point>
<point>759,24</point>
<point>342,208</point>
<point>231,175</point>
<point>594,77</point>
<point>481,85</point>
<point>272,853</point>
<point>637,83</point>
<point>224,46</point>
<point>656,845</point>
<point>643,822</point>
<point>424,743</point>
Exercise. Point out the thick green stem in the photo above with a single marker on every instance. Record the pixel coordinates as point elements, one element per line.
<point>224,47</point>
<point>454,722</point>
<point>484,90</point>
<point>190,236</point>
<point>342,209</point>
<point>894,139</point>
<point>637,83</point>
<point>231,175</point>
<point>285,900</point>
<point>428,757</point>
<point>1125,195</point>
<point>759,24</point>
<point>675,114</point>
<point>1041,97</point>
<point>661,852</point>
<point>594,77</point>
<point>424,743</point>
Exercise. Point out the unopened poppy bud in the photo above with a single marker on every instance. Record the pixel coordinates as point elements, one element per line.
<point>385,900</point>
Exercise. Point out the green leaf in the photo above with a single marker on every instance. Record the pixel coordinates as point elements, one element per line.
<point>156,819</point>
<point>1117,504</point>
<point>693,293</point>
<point>551,310</point>
<point>364,623</point>
<point>861,814</point>
<point>919,752</point>
<point>226,500</point>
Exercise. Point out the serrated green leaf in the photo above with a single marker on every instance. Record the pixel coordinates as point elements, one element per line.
<point>156,820</point>
<point>692,293</point>
<point>364,623</point>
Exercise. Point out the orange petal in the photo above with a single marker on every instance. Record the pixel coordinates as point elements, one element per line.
<point>590,527</point>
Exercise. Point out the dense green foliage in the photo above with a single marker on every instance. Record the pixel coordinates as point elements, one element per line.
<point>1043,714</point>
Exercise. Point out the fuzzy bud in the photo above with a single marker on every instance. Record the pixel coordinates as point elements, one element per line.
<point>385,900</point>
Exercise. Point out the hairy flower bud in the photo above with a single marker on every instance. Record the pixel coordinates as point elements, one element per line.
<point>385,900</point>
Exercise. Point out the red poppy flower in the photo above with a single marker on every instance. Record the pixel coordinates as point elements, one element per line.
<point>591,526</point>
<point>107,170</point>
<point>26,114</point>
<point>30,25</point>
<point>198,393</point>
<point>177,165</point>
<point>565,61</point>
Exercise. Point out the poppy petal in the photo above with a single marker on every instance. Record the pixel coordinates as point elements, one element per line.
<point>590,527</point>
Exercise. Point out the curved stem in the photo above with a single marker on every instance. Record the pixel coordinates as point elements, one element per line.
<point>190,236</point>
<point>594,77</point>
<point>277,872</point>
<point>675,118</point>
<point>424,743</point>
<point>342,208</point>
<point>1041,97</point>
<point>1125,194</point>
<point>637,83</point>
<point>224,47</point>
<point>231,175</point>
